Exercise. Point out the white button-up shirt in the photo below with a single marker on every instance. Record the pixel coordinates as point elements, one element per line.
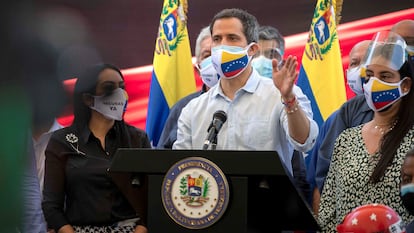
<point>256,120</point>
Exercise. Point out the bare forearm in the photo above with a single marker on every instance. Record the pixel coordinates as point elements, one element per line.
<point>298,123</point>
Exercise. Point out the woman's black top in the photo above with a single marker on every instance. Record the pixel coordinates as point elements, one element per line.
<point>78,189</point>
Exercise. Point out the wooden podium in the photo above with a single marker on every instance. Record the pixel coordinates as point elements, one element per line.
<point>262,195</point>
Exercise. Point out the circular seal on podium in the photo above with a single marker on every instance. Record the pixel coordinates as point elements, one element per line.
<point>195,193</point>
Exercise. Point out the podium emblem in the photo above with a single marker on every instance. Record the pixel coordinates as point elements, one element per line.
<point>195,193</point>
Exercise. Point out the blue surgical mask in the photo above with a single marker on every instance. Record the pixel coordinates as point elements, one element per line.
<point>263,65</point>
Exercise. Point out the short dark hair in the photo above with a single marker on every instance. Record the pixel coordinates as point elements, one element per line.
<point>271,33</point>
<point>249,22</point>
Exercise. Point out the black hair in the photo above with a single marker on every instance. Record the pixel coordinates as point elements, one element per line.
<point>271,33</point>
<point>249,22</point>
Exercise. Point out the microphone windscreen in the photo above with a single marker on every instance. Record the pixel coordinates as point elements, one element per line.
<point>220,114</point>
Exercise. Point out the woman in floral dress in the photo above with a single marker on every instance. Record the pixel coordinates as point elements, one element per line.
<point>367,159</point>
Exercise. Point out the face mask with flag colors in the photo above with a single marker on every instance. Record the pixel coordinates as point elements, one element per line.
<point>380,95</point>
<point>230,61</point>
<point>111,106</point>
<point>208,73</point>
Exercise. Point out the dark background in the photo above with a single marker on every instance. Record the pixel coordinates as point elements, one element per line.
<point>123,32</point>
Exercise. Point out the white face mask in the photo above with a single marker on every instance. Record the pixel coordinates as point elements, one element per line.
<point>230,61</point>
<point>111,106</point>
<point>380,95</point>
<point>354,80</point>
<point>208,73</point>
<point>263,65</point>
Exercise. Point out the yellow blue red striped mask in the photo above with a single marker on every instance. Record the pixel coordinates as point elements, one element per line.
<point>230,61</point>
<point>380,95</point>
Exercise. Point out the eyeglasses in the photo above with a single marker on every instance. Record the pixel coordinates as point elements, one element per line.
<point>273,53</point>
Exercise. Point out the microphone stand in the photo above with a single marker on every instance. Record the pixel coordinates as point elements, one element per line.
<point>214,143</point>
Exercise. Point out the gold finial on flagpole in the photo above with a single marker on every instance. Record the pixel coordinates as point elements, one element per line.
<point>338,9</point>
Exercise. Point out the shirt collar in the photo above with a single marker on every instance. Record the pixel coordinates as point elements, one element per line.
<point>250,86</point>
<point>85,133</point>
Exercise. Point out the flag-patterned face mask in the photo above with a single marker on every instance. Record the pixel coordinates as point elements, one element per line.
<point>230,61</point>
<point>380,95</point>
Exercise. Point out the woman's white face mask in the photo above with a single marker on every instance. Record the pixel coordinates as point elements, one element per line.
<point>111,106</point>
<point>354,80</point>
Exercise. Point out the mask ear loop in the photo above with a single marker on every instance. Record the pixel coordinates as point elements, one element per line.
<point>197,66</point>
<point>247,51</point>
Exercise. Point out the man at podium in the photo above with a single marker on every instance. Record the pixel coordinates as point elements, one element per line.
<point>249,111</point>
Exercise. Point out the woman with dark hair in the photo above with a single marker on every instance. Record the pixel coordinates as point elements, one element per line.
<point>79,195</point>
<point>367,159</point>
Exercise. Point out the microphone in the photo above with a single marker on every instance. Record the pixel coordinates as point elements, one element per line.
<point>219,117</point>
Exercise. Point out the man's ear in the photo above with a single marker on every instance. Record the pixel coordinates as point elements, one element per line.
<point>87,99</point>
<point>406,85</point>
<point>254,48</point>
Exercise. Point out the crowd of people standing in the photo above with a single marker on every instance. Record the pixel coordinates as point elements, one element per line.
<point>362,155</point>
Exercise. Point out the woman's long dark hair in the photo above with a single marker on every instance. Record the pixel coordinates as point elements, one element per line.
<point>393,138</point>
<point>86,84</point>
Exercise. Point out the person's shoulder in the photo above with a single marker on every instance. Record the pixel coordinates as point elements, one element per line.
<point>63,137</point>
<point>201,100</point>
<point>355,102</point>
<point>63,132</point>
<point>139,138</point>
<point>135,130</point>
<point>185,100</point>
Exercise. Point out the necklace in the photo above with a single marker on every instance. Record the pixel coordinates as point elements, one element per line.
<point>383,128</point>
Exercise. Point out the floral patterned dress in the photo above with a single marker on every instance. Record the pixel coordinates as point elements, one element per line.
<point>347,184</point>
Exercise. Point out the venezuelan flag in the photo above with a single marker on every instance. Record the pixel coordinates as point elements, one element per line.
<point>321,75</point>
<point>173,75</point>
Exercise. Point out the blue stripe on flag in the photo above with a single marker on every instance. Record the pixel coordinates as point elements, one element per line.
<point>303,83</point>
<point>158,110</point>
